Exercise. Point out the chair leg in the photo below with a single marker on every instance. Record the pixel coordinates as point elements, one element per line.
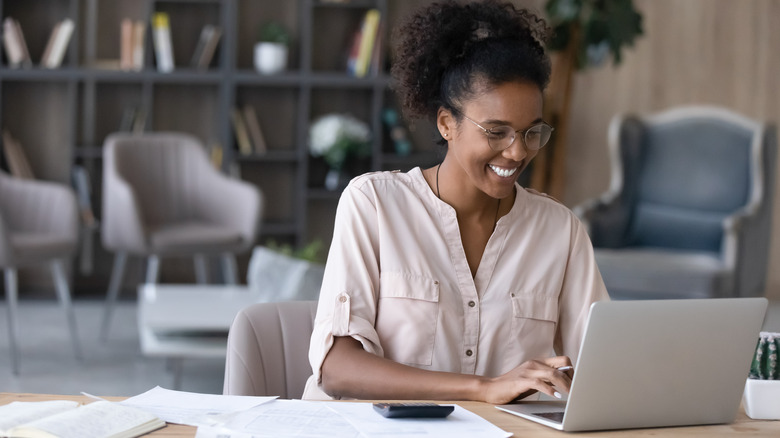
<point>63,292</point>
<point>117,272</point>
<point>229,269</point>
<point>11,292</point>
<point>153,269</point>
<point>201,270</point>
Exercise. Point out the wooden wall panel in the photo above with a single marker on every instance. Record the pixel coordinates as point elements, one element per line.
<point>719,52</point>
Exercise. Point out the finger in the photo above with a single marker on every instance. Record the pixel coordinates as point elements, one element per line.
<point>543,386</point>
<point>557,361</point>
<point>555,377</point>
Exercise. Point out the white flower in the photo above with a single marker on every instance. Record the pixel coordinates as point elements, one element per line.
<point>337,136</point>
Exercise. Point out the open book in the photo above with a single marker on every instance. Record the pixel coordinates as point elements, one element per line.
<point>68,419</point>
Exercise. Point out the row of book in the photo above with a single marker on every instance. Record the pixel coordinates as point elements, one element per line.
<point>18,54</point>
<point>163,49</point>
<point>246,128</point>
<point>364,52</point>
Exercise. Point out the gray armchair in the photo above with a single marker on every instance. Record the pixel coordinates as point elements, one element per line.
<point>268,348</point>
<point>163,198</point>
<point>688,210</point>
<point>38,224</point>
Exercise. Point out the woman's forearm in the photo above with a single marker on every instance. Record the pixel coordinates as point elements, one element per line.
<point>349,371</point>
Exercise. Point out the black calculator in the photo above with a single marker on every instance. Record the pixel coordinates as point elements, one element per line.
<point>413,410</point>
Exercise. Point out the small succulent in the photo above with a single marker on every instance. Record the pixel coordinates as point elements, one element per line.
<point>274,32</point>
<point>764,365</point>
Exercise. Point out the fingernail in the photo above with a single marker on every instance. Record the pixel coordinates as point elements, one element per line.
<point>557,394</point>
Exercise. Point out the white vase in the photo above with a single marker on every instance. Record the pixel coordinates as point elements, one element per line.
<point>336,179</point>
<point>270,58</point>
<point>761,399</point>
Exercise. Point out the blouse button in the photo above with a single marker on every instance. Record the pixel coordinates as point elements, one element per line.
<point>469,353</point>
<point>472,304</point>
<point>343,299</point>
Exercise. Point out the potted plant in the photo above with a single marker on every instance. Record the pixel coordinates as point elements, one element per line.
<point>281,273</point>
<point>338,138</point>
<point>271,50</point>
<point>762,390</point>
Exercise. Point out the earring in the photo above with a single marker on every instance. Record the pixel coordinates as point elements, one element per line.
<point>445,134</point>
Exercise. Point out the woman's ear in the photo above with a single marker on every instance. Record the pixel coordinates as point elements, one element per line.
<point>445,123</point>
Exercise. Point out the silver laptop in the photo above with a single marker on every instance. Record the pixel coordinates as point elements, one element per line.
<point>657,363</point>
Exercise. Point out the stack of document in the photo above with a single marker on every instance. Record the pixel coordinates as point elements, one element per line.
<point>226,416</point>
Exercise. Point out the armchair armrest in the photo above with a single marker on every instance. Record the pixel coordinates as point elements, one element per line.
<point>233,203</point>
<point>606,218</point>
<point>122,227</point>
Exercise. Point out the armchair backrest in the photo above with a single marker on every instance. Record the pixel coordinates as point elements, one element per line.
<point>682,172</point>
<point>268,348</point>
<point>165,170</point>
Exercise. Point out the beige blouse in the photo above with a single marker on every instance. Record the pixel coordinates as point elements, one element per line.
<point>397,280</point>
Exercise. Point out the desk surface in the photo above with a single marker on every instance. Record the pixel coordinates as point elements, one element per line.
<point>510,423</point>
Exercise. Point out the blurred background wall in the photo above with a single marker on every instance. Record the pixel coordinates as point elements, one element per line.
<point>719,52</point>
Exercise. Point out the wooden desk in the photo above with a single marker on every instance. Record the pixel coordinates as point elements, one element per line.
<point>510,423</point>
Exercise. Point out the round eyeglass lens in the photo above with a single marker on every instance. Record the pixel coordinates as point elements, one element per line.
<point>537,136</point>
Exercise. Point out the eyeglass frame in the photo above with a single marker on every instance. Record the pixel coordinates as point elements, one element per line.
<point>523,133</point>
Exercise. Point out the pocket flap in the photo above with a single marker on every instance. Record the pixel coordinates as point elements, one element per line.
<point>542,307</point>
<point>397,285</point>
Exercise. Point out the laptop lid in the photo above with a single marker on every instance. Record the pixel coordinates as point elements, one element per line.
<point>656,363</point>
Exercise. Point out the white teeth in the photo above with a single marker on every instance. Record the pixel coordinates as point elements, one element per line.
<point>502,172</point>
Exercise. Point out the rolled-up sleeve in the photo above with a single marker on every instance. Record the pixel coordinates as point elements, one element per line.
<point>582,286</point>
<point>350,287</point>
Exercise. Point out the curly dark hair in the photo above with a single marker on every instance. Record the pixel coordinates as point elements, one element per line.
<point>448,51</point>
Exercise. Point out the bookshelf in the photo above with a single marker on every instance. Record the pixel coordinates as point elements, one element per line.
<point>83,101</point>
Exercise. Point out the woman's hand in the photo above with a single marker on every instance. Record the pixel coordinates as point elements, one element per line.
<point>529,377</point>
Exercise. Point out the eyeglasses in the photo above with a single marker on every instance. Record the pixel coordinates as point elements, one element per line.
<point>501,137</point>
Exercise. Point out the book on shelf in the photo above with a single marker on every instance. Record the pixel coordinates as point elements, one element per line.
<point>255,132</point>
<point>133,120</point>
<point>16,158</point>
<point>80,179</point>
<point>163,48</point>
<point>242,136</point>
<point>131,47</point>
<point>59,45</point>
<point>216,155</point>
<point>207,45</point>
<point>15,45</point>
<point>139,46</point>
<point>126,44</point>
<point>50,43</point>
<point>100,419</point>
<point>368,34</point>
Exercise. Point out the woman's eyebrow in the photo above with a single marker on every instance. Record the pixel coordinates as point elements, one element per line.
<point>505,122</point>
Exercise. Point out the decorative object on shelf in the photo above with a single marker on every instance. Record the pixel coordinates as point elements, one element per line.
<point>398,133</point>
<point>272,48</point>
<point>338,138</point>
<point>584,32</point>
<point>762,390</point>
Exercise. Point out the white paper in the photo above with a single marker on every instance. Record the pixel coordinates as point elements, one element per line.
<point>192,408</point>
<point>287,418</point>
<point>460,423</point>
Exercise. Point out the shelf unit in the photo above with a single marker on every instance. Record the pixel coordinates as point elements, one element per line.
<point>81,103</point>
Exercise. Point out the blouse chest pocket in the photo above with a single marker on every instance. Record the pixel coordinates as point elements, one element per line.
<point>535,317</point>
<point>407,317</point>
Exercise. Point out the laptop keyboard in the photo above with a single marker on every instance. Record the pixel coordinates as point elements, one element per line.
<point>554,416</point>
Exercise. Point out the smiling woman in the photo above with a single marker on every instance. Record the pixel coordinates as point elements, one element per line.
<point>454,282</point>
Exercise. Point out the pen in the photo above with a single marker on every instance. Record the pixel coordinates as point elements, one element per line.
<point>564,369</point>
